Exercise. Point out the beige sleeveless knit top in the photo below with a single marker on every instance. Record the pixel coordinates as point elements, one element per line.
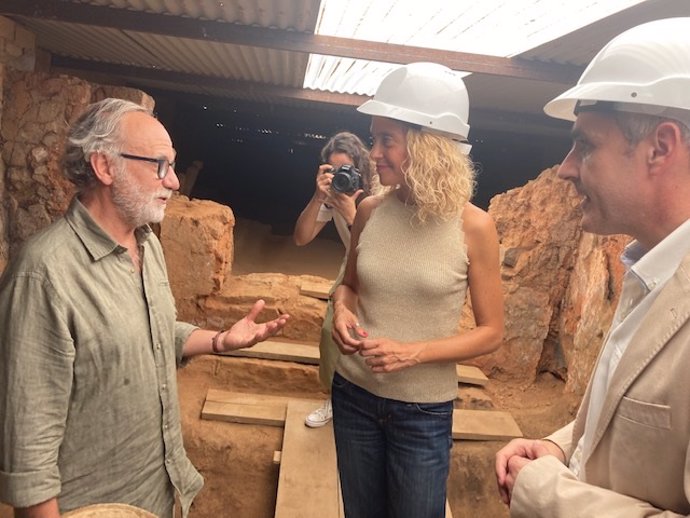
<point>412,286</point>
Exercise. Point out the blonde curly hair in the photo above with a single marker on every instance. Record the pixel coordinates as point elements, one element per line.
<point>441,179</point>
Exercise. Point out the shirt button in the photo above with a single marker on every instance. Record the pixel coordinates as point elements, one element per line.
<point>163,387</point>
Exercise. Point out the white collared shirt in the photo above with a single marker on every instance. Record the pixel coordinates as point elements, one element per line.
<point>646,274</point>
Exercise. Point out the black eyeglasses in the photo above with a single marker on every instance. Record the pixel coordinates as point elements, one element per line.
<point>163,163</point>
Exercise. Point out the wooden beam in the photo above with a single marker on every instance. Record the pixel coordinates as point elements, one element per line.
<point>236,34</point>
<point>484,425</point>
<point>308,484</point>
<point>231,86</point>
<point>238,407</point>
<point>285,351</point>
<point>306,353</point>
<point>318,290</point>
<point>345,103</point>
<point>471,375</point>
<point>267,415</point>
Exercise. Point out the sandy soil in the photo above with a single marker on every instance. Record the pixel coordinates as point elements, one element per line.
<point>237,460</point>
<point>538,408</point>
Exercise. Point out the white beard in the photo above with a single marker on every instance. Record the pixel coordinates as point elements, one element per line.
<point>136,206</point>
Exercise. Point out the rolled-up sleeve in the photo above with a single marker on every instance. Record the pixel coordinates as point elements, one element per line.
<point>182,332</point>
<point>36,372</point>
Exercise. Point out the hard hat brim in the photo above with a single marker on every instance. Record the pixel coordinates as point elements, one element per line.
<point>454,128</point>
<point>633,98</point>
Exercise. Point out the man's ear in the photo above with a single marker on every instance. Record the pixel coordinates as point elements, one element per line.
<point>667,140</point>
<point>102,168</point>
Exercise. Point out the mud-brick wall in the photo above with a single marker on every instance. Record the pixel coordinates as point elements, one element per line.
<point>17,52</point>
<point>38,110</point>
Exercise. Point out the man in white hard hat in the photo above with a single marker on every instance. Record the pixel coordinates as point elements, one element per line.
<point>627,452</point>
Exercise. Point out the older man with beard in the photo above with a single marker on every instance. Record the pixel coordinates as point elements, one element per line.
<point>89,340</point>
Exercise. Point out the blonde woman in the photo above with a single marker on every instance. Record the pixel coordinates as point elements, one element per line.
<point>414,253</point>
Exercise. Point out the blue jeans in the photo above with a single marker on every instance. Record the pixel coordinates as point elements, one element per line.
<point>393,457</point>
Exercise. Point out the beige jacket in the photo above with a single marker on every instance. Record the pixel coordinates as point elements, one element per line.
<point>639,463</point>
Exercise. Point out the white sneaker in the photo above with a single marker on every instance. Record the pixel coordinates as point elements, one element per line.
<point>321,416</point>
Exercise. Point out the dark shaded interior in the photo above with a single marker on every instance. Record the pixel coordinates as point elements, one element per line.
<point>260,159</point>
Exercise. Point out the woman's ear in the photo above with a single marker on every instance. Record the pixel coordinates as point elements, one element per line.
<point>102,168</point>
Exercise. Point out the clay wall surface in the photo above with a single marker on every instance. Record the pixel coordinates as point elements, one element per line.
<point>551,270</point>
<point>38,109</point>
<point>17,52</point>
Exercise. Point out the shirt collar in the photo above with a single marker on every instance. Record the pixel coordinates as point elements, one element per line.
<point>656,266</point>
<point>96,240</point>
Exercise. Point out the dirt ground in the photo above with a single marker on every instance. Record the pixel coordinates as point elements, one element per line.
<point>236,460</point>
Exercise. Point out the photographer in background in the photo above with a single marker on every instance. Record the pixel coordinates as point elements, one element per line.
<point>338,190</point>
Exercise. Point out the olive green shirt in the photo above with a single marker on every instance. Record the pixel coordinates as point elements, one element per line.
<point>89,346</point>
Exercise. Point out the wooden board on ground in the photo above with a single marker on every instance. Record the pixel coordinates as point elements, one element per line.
<point>240,407</point>
<point>285,351</point>
<point>308,479</point>
<point>471,375</point>
<point>317,290</point>
<point>305,353</point>
<point>247,414</point>
<point>484,425</point>
<point>308,484</point>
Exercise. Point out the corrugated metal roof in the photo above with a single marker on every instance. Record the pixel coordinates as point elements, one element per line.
<point>458,26</point>
<point>299,15</point>
<point>167,53</point>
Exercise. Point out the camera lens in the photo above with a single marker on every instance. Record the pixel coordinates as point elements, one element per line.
<point>346,179</point>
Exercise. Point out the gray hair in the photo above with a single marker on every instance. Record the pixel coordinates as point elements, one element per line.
<point>96,130</point>
<point>636,126</point>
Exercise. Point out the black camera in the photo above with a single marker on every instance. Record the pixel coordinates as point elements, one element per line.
<point>346,179</point>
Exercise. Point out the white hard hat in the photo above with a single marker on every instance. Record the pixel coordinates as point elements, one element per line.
<point>426,94</point>
<point>646,70</point>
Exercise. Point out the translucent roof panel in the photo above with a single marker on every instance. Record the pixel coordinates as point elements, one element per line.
<point>494,27</point>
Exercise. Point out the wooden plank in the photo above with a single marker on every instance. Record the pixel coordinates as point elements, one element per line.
<point>308,479</point>
<point>319,290</point>
<point>471,375</point>
<point>248,414</point>
<point>484,425</point>
<point>239,407</point>
<point>248,398</point>
<point>305,353</point>
<point>449,513</point>
<point>242,407</point>
<point>284,351</point>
